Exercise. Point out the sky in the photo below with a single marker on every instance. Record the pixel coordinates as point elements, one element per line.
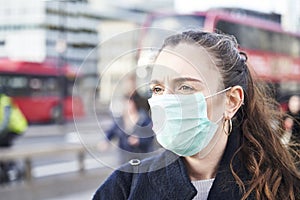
<point>278,6</point>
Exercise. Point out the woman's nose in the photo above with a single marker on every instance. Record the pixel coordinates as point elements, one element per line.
<point>168,91</point>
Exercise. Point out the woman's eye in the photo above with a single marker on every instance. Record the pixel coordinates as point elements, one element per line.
<point>157,90</point>
<point>186,88</point>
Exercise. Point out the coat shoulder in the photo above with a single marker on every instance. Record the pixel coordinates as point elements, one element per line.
<point>116,186</point>
<point>119,184</point>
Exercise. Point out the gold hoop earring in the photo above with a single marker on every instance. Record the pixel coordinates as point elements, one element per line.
<point>230,126</point>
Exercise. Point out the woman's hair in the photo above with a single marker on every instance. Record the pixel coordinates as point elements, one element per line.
<point>272,169</point>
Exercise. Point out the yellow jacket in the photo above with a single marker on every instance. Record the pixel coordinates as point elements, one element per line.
<point>11,118</point>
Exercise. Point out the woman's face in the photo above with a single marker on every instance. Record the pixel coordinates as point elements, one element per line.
<point>187,69</point>
<point>294,104</point>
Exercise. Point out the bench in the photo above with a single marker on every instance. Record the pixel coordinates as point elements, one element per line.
<point>27,154</point>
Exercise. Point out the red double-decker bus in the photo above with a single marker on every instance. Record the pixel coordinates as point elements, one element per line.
<point>43,91</point>
<point>273,53</point>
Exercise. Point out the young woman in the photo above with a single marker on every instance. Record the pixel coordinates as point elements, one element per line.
<point>220,130</point>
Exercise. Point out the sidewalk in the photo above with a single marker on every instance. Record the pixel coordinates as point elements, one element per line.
<point>86,195</point>
<point>73,186</point>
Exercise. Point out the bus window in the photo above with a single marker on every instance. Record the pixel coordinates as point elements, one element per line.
<point>262,39</point>
<point>254,38</point>
<point>2,80</point>
<point>17,86</point>
<point>35,86</point>
<point>248,37</point>
<point>43,86</point>
<point>295,47</point>
<point>51,86</point>
<point>276,41</point>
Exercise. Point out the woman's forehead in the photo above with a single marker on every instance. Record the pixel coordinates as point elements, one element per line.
<point>185,60</point>
<point>189,55</point>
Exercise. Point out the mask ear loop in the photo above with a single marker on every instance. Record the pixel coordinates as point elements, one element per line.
<point>230,127</point>
<point>225,90</point>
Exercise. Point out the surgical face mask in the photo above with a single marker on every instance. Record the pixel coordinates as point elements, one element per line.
<point>181,124</point>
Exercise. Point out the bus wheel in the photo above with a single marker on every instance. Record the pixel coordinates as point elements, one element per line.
<point>57,115</point>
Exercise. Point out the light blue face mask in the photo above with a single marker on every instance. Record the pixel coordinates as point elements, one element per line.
<point>180,122</point>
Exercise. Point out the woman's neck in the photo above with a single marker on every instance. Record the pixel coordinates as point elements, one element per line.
<point>201,169</point>
<point>206,168</point>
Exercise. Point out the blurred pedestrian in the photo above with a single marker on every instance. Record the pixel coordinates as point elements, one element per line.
<point>216,122</point>
<point>293,117</point>
<point>292,124</point>
<point>133,130</point>
<point>12,125</point>
<point>12,121</point>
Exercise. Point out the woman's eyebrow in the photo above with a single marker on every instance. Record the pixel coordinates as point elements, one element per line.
<point>178,80</point>
<point>184,79</point>
<point>154,82</point>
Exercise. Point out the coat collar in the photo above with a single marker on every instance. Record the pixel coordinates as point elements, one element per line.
<point>171,180</point>
<point>168,175</point>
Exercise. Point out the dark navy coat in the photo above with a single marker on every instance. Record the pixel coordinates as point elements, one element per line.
<point>165,177</point>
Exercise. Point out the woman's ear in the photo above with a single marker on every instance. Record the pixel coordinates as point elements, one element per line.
<point>235,99</point>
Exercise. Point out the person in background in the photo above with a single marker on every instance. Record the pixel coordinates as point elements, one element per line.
<point>12,121</point>
<point>294,114</point>
<point>133,129</point>
<point>292,124</point>
<point>217,126</point>
<point>6,138</point>
<point>12,125</point>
